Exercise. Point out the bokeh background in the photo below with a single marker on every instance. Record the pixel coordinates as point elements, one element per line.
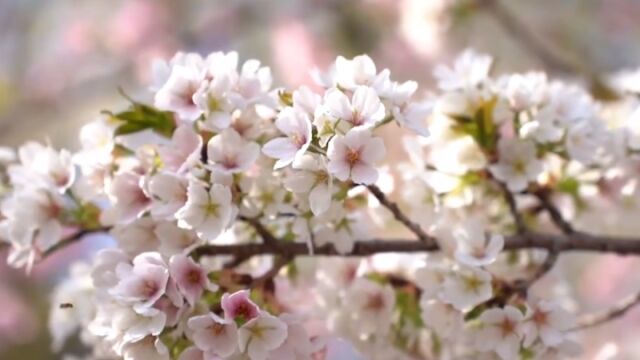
<point>62,61</point>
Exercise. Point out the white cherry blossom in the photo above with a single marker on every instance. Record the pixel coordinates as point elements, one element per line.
<point>518,164</point>
<point>177,93</point>
<point>126,192</point>
<point>470,70</point>
<point>466,288</point>
<point>474,246</point>
<point>142,283</point>
<point>261,335</point>
<point>311,177</point>
<point>183,153</point>
<point>43,166</point>
<point>168,193</point>
<point>547,321</point>
<point>207,211</point>
<point>501,331</point>
<point>371,306</point>
<point>213,334</point>
<point>229,153</point>
<point>354,156</point>
<point>296,126</point>
<point>364,108</point>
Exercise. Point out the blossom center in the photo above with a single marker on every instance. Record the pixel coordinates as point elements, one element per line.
<point>211,209</point>
<point>519,166</point>
<point>507,327</point>
<point>352,157</point>
<point>216,329</point>
<point>149,288</point>
<point>298,139</point>
<point>540,317</point>
<point>375,302</point>
<point>194,276</point>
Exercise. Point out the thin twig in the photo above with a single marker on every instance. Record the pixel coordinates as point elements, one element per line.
<point>278,263</point>
<point>513,209</point>
<point>613,313</point>
<point>399,215</point>
<point>554,212</point>
<point>553,253</point>
<point>72,239</point>
<point>515,28</point>
<point>262,231</point>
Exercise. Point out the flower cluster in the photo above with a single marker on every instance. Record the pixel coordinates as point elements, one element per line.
<point>212,192</point>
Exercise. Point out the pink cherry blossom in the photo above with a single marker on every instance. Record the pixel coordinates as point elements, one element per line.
<point>190,277</point>
<point>183,152</point>
<point>239,306</point>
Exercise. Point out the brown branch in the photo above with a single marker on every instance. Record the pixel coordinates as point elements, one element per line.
<point>562,243</point>
<point>613,313</point>
<point>400,216</point>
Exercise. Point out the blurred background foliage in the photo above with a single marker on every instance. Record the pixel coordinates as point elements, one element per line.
<point>61,62</point>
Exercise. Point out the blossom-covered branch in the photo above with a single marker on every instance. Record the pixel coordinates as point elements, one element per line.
<point>238,209</point>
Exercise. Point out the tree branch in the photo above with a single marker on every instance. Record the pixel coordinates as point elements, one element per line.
<point>278,264</point>
<point>262,231</point>
<point>554,212</point>
<point>400,216</point>
<point>613,313</point>
<point>562,243</point>
<point>72,239</point>
<point>553,252</point>
<point>513,209</point>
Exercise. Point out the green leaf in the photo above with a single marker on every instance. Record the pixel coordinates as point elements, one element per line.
<point>129,128</point>
<point>409,308</point>
<point>569,185</point>
<point>140,117</point>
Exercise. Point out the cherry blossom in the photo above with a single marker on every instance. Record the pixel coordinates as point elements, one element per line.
<point>466,288</point>
<point>190,278</point>
<point>501,331</point>
<point>364,108</point>
<point>212,333</point>
<point>207,212</point>
<point>183,152</point>
<point>128,197</point>
<point>228,152</point>
<point>296,126</point>
<point>311,177</point>
<point>474,247</point>
<point>177,94</point>
<point>371,305</point>
<point>261,335</point>
<point>354,155</point>
<point>518,164</point>
<point>143,283</point>
<point>239,306</point>
<point>547,321</point>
